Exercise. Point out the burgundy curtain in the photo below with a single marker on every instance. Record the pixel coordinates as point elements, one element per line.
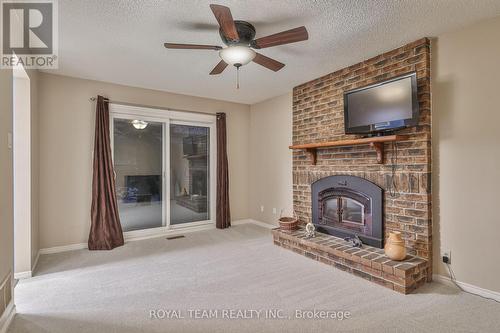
<point>223,219</point>
<point>105,231</point>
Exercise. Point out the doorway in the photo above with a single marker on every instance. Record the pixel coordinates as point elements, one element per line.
<point>164,164</point>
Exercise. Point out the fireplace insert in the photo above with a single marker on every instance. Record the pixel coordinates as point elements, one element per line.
<point>347,206</point>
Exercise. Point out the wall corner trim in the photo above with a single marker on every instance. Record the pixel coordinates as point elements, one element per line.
<point>28,274</point>
<point>35,262</point>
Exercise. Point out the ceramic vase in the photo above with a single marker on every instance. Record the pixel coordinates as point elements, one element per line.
<point>395,246</point>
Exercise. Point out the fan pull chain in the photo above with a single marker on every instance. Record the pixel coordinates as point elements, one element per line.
<point>238,77</point>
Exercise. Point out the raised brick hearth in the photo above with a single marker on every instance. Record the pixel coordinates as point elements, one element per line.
<point>318,117</point>
<point>367,262</point>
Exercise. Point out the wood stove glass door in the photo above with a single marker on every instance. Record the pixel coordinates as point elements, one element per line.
<point>331,209</point>
<point>352,211</point>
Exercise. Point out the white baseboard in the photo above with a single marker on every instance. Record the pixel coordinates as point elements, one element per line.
<point>132,236</point>
<point>468,287</point>
<point>243,221</point>
<point>64,248</point>
<point>251,221</point>
<point>148,234</point>
<point>7,317</point>
<point>23,275</point>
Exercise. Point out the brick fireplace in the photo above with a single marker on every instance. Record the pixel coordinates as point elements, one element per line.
<point>405,177</point>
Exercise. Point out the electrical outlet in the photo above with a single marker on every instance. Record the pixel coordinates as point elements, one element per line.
<point>274,211</point>
<point>447,257</point>
<point>262,209</point>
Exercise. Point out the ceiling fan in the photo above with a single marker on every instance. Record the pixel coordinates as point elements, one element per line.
<point>239,39</point>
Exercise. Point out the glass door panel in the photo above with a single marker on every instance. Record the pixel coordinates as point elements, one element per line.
<point>189,173</point>
<point>331,211</point>
<point>352,211</point>
<point>138,159</point>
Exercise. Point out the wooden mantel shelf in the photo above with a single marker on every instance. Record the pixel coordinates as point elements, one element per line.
<point>376,142</point>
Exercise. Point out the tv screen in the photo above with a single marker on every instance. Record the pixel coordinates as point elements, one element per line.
<point>384,106</point>
<point>142,188</point>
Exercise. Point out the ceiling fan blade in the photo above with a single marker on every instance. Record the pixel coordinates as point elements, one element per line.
<point>268,62</point>
<point>226,23</point>
<point>191,46</point>
<point>284,37</point>
<point>219,68</point>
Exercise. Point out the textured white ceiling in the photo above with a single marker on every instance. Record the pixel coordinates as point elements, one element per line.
<point>121,41</point>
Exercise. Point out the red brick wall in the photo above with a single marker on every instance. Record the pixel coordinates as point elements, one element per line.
<point>318,116</point>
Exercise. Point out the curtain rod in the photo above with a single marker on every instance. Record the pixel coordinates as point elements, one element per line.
<point>93,99</point>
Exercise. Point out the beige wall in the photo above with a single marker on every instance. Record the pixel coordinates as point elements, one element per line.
<point>466,158</point>
<point>66,130</point>
<point>6,177</point>
<point>270,158</point>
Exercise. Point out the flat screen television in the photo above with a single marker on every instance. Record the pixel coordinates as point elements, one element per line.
<point>382,107</point>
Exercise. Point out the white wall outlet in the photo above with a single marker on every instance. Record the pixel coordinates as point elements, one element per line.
<point>262,209</point>
<point>274,211</point>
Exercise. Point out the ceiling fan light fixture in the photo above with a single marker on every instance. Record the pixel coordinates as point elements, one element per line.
<point>239,36</point>
<point>139,124</point>
<point>237,55</point>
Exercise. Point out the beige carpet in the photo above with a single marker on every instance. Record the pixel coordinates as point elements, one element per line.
<point>238,269</point>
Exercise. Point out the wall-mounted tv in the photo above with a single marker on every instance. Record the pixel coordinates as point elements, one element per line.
<point>382,107</point>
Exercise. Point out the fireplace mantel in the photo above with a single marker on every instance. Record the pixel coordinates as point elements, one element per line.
<point>376,142</point>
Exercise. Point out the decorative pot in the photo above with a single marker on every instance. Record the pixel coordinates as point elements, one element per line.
<point>395,246</point>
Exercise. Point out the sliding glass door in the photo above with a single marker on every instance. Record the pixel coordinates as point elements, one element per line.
<point>164,167</point>
<point>138,159</point>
